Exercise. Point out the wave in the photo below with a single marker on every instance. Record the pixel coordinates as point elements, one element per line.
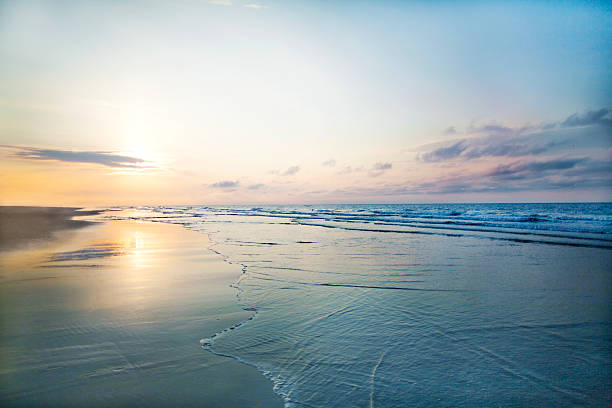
<point>337,321</point>
<point>585,218</point>
<point>354,285</point>
<point>578,225</point>
<point>494,238</point>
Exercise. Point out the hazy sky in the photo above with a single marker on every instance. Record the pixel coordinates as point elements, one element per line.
<point>195,101</point>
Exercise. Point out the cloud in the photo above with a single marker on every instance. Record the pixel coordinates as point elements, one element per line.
<point>108,159</point>
<point>569,155</point>
<point>445,153</point>
<point>379,168</point>
<point>291,171</point>
<point>587,131</point>
<point>231,185</point>
<point>382,166</point>
<point>563,174</point>
<point>330,163</point>
<point>225,184</point>
<point>345,170</point>
<point>450,130</point>
<point>534,168</point>
<point>220,2</point>
<point>598,117</point>
<point>508,148</point>
<point>255,6</point>
<point>492,128</point>
<point>349,170</point>
<point>536,175</point>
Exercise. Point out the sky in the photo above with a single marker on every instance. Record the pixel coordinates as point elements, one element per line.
<point>299,102</point>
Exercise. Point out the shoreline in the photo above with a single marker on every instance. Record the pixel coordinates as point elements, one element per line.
<point>325,330</point>
<point>112,314</point>
<point>27,226</point>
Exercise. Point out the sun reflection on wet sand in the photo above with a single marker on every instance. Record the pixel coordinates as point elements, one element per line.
<point>116,311</point>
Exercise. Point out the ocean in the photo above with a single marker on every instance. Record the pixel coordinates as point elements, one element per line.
<point>445,305</point>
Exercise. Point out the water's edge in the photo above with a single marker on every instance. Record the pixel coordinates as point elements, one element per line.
<point>208,343</point>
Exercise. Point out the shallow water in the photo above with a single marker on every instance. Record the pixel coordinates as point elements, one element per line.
<point>399,305</point>
<point>111,317</point>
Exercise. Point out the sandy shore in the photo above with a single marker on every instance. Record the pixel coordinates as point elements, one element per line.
<point>26,226</point>
<point>112,314</point>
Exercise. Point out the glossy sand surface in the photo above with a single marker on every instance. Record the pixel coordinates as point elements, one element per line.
<point>112,315</point>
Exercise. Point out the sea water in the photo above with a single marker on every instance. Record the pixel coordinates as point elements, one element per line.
<point>462,305</point>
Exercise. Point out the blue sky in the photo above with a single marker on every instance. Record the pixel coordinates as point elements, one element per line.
<point>309,101</point>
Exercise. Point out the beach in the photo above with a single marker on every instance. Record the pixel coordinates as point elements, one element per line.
<point>112,314</point>
<point>462,305</point>
<point>433,305</point>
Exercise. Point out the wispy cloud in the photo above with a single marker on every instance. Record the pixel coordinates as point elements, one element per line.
<point>598,117</point>
<point>508,148</point>
<point>379,168</point>
<point>538,175</point>
<point>345,170</point>
<point>109,159</point>
<point>523,169</point>
<point>233,185</point>
<point>494,140</point>
<point>491,129</point>
<point>450,130</point>
<point>572,154</point>
<point>445,152</point>
<point>382,166</point>
<point>491,146</point>
<point>226,184</point>
<point>291,171</point>
<point>329,163</point>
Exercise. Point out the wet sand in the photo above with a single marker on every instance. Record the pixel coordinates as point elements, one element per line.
<point>112,314</point>
<point>27,226</point>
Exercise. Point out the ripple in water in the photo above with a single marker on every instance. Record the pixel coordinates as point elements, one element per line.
<point>512,313</point>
